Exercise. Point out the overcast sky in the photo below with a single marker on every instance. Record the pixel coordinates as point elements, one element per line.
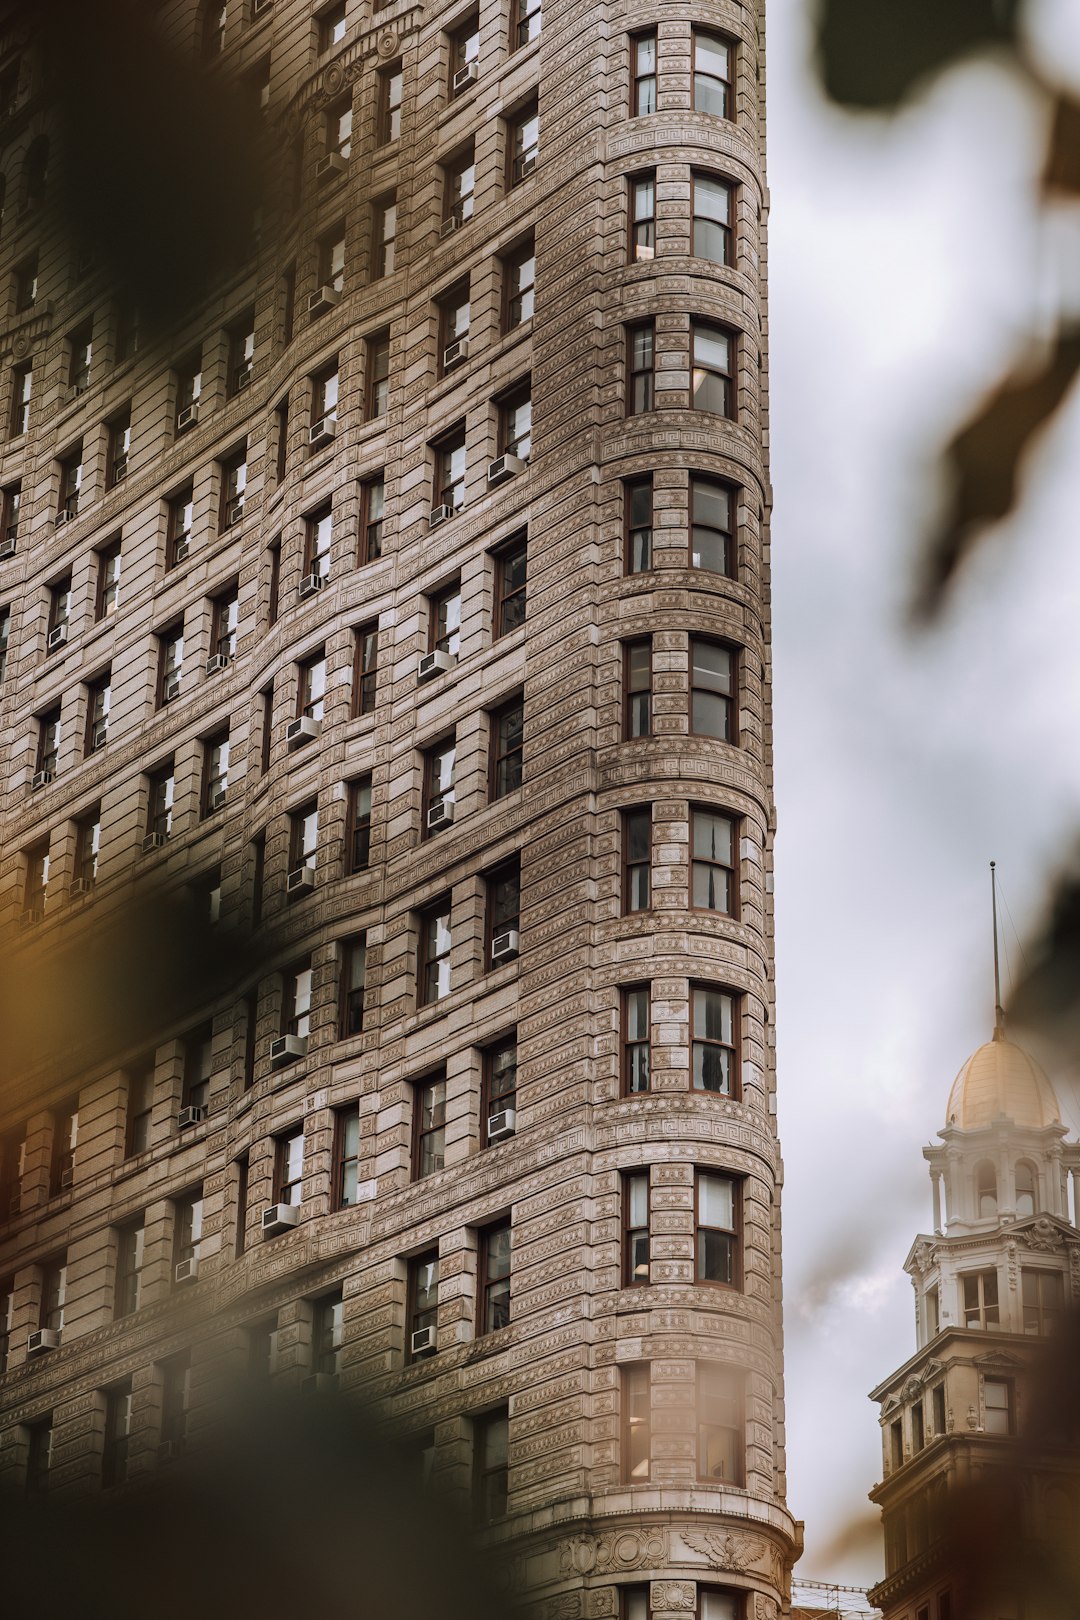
<point>907,265</point>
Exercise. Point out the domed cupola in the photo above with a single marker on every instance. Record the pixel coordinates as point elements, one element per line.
<point>1001,1082</point>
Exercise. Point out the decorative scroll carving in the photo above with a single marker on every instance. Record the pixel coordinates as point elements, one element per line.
<point>1042,1235</point>
<point>673,1595</point>
<point>616,1549</point>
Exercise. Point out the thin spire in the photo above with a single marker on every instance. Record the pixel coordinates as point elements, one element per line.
<point>999,1011</point>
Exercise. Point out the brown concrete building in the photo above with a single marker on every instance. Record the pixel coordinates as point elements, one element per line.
<point>411,603</point>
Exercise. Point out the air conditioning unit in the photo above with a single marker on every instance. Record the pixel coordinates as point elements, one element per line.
<point>505,945</point>
<point>309,585</point>
<point>303,730</point>
<point>180,550</point>
<point>79,887</point>
<point>433,664</point>
<point>242,380</point>
<point>235,511</point>
<point>120,470</point>
<point>322,431</point>
<point>455,353</point>
<point>300,881</point>
<point>67,1177</point>
<point>325,298</point>
<point>286,1049</point>
<point>40,779</point>
<point>190,1116</point>
<point>168,1451</point>
<point>331,164</point>
<point>29,916</point>
<point>7,547</point>
<point>99,735</point>
<point>41,1340</point>
<point>319,1384</point>
<point>422,1342</point>
<point>464,77</point>
<point>280,1218</point>
<point>170,689</point>
<point>154,840</point>
<point>504,467</point>
<point>259,6</point>
<point>66,514</point>
<point>57,637</point>
<point>216,663</point>
<point>452,222</point>
<point>526,166</point>
<point>440,814</point>
<point>439,514</point>
<point>501,1125</point>
<point>187,417</point>
<point>216,800</point>
<point>76,391</point>
<point>186,1271</point>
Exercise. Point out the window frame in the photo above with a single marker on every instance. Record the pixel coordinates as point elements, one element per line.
<point>729,700</point>
<point>736,1382</point>
<point>637,697</point>
<point>699,371</point>
<point>384,212</point>
<point>429,1099</point>
<point>506,1097</point>
<point>494,1307</point>
<point>351,949</point>
<point>633,1229</point>
<point>639,871</point>
<point>727,92</point>
<point>365,680</point>
<point>372,518</point>
<point>635,1414</point>
<point>507,556</point>
<point>641,225</point>
<point>358,825</point>
<point>727,227</point>
<point>388,112</point>
<point>418,1316</point>
<point>496,918</point>
<point>430,961</point>
<point>700,485</point>
<point>506,772</point>
<point>289,1160</point>
<point>491,1480</point>
<point>711,865</point>
<point>630,1045</point>
<point>633,532</point>
<point>733,1233</point>
<point>515,261</point>
<point>640,377</point>
<point>346,1162</point>
<point>522,151</point>
<point>640,81</point>
<point>698,988</point>
<point>377,374</point>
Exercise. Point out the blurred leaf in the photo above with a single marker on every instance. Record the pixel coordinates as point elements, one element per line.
<point>1062,171</point>
<point>873,53</point>
<point>1046,998</point>
<point>984,459</point>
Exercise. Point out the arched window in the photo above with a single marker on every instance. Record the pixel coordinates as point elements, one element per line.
<point>986,1201</point>
<point>35,173</point>
<point>212,33</point>
<point>1026,1187</point>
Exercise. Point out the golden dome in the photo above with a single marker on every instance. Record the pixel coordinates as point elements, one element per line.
<point>1000,1079</point>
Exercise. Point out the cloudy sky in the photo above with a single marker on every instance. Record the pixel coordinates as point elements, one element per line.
<point>908,265</point>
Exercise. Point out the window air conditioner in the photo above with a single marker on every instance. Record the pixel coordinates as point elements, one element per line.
<point>43,1339</point>
<point>180,550</point>
<point>324,298</point>
<point>501,1125</point>
<point>330,164</point>
<point>280,1218</point>
<point>527,165</point>
<point>302,730</point>
<point>170,689</point>
<point>57,637</point>
<point>186,1271</point>
<point>319,1384</point>
<point>40,779</point>
<point>300,881</point>
<point>154,840</point>
<point>216,663</point>
<point>452,222</point>
<point>168,1451</point>
<point>433,664</point>
<point>66,514</point>
<point>455,353</point>
<point>440,814</point>
<point>99,735</point>
<point>236,511</point>
<point>242,380</point>
<point>67,1177</point>
<point>439,514</point>
<point>7,547</point>
<point>309,585</point>
<point>75,391</point>
<point>190,1116</point>
<point>216,799</point>
<point>31,915</point>
<point>80,887</point>
<point>286,1049</point>
<point>464,77</point>
<point>322,431</point>
<point>422,1342</point>
<point>505,945</point>
<point>187,417</point>
<point>504,467</point>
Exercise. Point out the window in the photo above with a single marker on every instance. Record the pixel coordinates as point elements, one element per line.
<point>289,1168</point>
<point>119,449</point>
<point>712,541</point>
<point>493,1270</point>
<point>273,552</point>
<point>714,874</point>
<point>636,1423</point>
<point>435,945</point>
<point>491,1453</point>
<point>214,18</point>
<point>503,888</point>
<point>932,1299</point>
<point>937,1401</point>
<point>26,284</point>
<point>639,367</point>
<point>388,123</point>
<point>159,804</point>
<point>372,506</point>
<point>638,512</point>
<point>716,1604</point>
<point>325,388</point>
<point>296,1001</point>
<point>1044,1299</point>
<point>714,1041</point>
<point>178,541</point>
<point>523,141</point>
<point>459,184</point>
<point>127,334</point>
<point>499,1098</point>
<point>107,591</point>
<point>918,1427</point>
<point>187,1227</point>
<point>449,491</point>
<point>327,1334</point>
<point>332,259</point>
<point>712,75</point>
<point>712,207</point>
<point>429,1110</point>
<point>10,502</point>
<point>170,663</point>
<point>80,354</point>
<point>53,1294</point>
<point>637,859</point>
<point>345,1187</point>
<point>311,686</point>
<point>175,1403</point>
<point>712,690</point>
<point>188,392</point>
<point>981,1300</point>
<point>48,743</point>
<point>5,633</point>
<point>7,1319</point>
<point>38,1456</point>
<point>635,1201</point>
<point>525,22</point>
<point>338,129</point>
<point>215,783</point>
<point>515,422</point>
<point>438,799</point>
<point>453,309</point>
<point>716,1199</point>
<point>637,684</point>
<point>519,279</point>
<point>87,847</point>
<point>422,1303</point>
<point>383,236</point>
<point>377,351</point>
<point>225,619</point>
<point>98,704</point>
<point>65,1135</point>
<point>634,1603</point>
<point>464,54</point>
<point>713,359</point>
<point>304,837</point>
<point>642,74</point>
<point>1026,1189</point>
<point>318,537</point>
<point>636,1034</point>
<point>71,474</point>
<point>365,669</point>
<point>37,882</point>
<point>351,986</point>
<point>22,383</point>
<point>507,745</point>
<point>331,26</point>
<point>997,1406</point>
<point>281,439</point>
<point>233,484</point>
<point>720,1424</point>
<point>986,1191</point>
<point>129,1264</point>
<point>12,1158</point>
<point>642,216</point>
<point>114,1455</point>
<point>140,1107</point>
<point>358,826</point>
<point>241,337</point>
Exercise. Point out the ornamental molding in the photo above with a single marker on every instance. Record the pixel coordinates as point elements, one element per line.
<point>614,1550</point>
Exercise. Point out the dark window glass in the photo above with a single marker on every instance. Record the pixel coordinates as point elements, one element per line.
<point>713,216</point>
<point>638,496</point>
<point>507,735</point>
<point>435,944</point>
<point>636,1228</point>
<point>491,1438</point>
<point>358,834</point>
<point>713,358</point>
<point>716,1197</point>
<point>642,216</point>
<point>714,843</point>
<point>346,1156</point>
<point>494,1273</point>
<point>638,687</point>
<point>637,1050</point>
<point>712,690</point>
<point>639,368</point>
<point>642,74</point>
<point>712,544</point>
<point>714,1041</point>
<point>430,1106</point>
<point>366,669</point>
<point>713,75</point>
<point>637,859</point>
